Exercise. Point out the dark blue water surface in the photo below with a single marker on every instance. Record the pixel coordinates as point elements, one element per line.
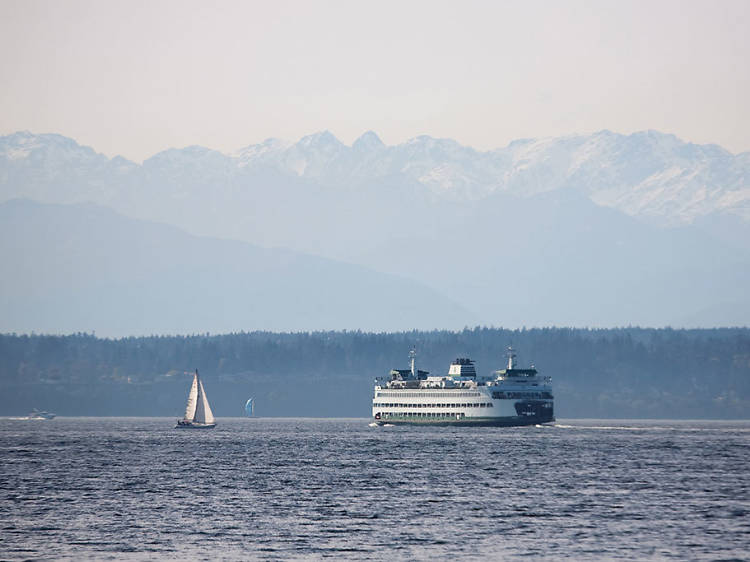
<point>281,489</point>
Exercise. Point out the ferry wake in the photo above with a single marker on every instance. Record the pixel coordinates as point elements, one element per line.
<point>508,397</point>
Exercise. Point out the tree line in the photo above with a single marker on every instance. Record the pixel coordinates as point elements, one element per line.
<point>624,372</point>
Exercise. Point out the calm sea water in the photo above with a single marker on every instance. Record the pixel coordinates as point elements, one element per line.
<point>281,489</point>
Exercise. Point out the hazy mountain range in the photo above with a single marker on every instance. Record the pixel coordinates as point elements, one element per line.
<point>649,175</point>
<point>72,268</point>
<point>600,229</point>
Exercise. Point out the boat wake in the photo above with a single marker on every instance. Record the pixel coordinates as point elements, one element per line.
<point>612,427</point>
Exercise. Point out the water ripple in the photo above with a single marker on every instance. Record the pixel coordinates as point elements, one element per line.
<point>256,489</point>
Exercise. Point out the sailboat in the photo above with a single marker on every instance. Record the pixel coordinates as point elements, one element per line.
<point>43,415</point>
<point>198,414</point>
<point>249,407</point>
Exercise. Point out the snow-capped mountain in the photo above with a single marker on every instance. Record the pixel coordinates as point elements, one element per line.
<point>648,175</point>
<point>55,168</point>
<point>596,230</point>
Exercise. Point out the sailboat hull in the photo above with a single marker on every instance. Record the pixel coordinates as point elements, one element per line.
<point>186,424</point>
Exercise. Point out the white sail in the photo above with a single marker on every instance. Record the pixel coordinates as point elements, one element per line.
<point>203,413</point>
<point>200,411</point>
<point>192,402</point>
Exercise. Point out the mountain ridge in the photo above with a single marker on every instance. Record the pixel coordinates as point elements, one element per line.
<point>78,268</point>
<point>538,252</point>
<point>650,175</point>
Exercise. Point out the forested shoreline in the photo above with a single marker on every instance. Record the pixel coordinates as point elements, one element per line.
<point>618,373</point>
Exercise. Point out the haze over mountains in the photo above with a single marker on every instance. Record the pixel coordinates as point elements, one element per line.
<point>586,230</point>
<point>86,268</point>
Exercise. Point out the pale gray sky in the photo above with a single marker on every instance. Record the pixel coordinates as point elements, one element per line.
<point>136,77</point>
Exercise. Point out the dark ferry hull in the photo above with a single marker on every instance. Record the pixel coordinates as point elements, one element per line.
<point>514,421</point>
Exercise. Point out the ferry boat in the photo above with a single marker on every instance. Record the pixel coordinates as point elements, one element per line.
<point>508,397</point>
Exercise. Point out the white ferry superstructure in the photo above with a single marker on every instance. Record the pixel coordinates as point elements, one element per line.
<point>508,397</point>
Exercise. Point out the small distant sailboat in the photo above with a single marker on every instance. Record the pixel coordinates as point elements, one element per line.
<point>249,407</point>
<point>198,414</point>
<point>40,415</point>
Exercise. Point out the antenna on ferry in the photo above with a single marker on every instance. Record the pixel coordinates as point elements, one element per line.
<point>413,360</point>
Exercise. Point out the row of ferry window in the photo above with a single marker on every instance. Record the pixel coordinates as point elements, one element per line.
<point>452,415</point>
<point>426,393</point>
<point>469,405</point>
<point>502,395</point>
